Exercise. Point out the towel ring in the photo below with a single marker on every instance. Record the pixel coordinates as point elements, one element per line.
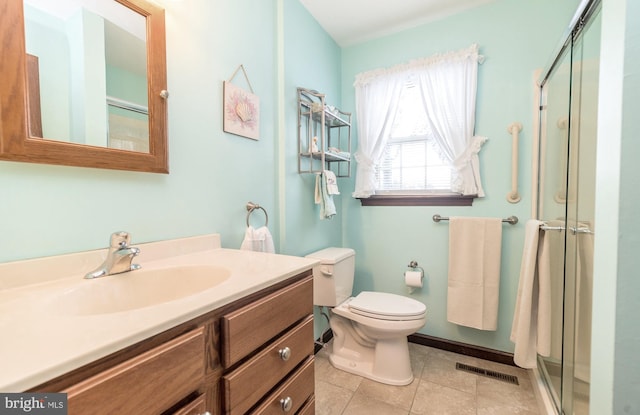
<point>253,206</point>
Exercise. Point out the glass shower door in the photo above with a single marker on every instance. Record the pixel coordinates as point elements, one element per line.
<point>580,218</point>
<point>555,102</point>
<point>566,201</point>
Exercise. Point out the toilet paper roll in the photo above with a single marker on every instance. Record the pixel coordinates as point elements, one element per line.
<point>413,278</point>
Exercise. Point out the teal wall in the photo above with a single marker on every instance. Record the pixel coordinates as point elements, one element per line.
<point>386,239</point>
<point>126,85</point>
<point>53,64</point>
<point>311,60</point>
<point>52,210</point>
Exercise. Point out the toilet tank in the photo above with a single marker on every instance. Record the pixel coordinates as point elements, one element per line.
<point>333,277</point>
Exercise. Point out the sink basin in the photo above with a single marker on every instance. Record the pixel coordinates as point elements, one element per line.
<point>138,289</point>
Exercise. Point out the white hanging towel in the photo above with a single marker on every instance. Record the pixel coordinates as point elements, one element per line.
<point>555,242</point>
<point>258,240</point>
<point>584,294</point>
<point>332,182</point>
<point>531,328</point>
<point>474,272</point>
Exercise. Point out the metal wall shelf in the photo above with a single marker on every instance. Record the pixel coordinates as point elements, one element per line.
<point>331,129</point>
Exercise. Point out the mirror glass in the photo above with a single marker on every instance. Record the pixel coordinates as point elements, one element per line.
<point>87,73</point>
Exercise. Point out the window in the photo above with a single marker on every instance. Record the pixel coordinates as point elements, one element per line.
<point>412,162</point>
<point>416,139</point>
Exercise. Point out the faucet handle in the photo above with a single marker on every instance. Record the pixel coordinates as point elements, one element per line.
<point>120,239</point>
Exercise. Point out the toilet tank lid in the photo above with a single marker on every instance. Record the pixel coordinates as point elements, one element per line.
<point>330,256</point>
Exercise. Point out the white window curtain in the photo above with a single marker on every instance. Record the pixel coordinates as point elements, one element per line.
<point>376,106</point>
<point>448,89</point>
<point>448,86</point>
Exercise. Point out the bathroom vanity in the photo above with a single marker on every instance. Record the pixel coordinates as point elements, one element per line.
<point>242,346</point>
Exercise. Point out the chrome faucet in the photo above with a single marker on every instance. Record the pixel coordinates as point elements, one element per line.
<point>118,258</point>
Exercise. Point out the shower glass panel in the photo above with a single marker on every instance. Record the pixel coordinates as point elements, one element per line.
<point>552,204</point>
<point>566,201</point>
<point>580,218</point>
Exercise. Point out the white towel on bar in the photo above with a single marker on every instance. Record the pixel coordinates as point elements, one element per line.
<point>555,241</point>
<point>259,240</point>
<point>584,294</point>
<point>332,182</point>
<point>531,328</point>
<point>473,291</point>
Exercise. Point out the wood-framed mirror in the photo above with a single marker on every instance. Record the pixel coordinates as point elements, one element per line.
<point>21,130</point>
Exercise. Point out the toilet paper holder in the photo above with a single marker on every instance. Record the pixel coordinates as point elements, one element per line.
<point>411,281</point>
<point>414,266</point>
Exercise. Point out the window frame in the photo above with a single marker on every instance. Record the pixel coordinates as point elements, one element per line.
<point>418,200</point>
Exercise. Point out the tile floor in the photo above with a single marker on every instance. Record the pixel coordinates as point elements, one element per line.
<point>438,389</point>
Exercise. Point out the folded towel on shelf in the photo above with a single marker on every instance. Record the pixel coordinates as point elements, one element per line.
<point>323,198</point>
<point>531,328</point>
<point>474,272</point>
<point>258,240</point>
<point>344,155</point>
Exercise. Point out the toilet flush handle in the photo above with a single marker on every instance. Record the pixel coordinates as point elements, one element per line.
<point>326,271</point>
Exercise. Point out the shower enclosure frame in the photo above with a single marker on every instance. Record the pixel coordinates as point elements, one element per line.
<point>563,397</point>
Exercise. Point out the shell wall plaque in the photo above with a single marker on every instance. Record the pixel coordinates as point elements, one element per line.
<point>241,109</point>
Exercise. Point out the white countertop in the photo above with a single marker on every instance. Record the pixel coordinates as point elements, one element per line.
<point>39,341</point>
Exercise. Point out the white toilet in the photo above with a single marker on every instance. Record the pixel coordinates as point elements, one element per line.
<point>369,330</point>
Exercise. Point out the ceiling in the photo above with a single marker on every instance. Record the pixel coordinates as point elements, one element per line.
<point>353,21</point>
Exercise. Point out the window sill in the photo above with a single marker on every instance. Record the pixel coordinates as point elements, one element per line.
<point>417,200</point>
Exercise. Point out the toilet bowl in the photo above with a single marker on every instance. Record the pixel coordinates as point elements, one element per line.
<point>370,336</point>
<point>369,330</point>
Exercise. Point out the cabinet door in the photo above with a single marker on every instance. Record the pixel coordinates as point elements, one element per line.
<point>147,384</point>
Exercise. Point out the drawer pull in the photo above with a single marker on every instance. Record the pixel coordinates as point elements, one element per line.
<point>285,353</point>
<point>286,404</point>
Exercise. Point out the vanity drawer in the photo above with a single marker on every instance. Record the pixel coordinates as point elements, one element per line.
<point>153,381</point>
<point>197,407</point>
<point>249,327</point>
<point>245,386</point>
<point>296,390</point>
<point>309,408</point>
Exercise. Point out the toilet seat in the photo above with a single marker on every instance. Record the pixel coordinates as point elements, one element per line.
<point>386,306</point>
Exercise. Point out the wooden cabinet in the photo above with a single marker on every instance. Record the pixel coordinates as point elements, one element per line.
<point>253,356</point>
<point>275,350</point>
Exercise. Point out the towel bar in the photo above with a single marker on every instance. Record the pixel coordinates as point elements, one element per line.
<point>574,230</point>
<point>511,219</point>
<point>253,206</point>
<point>546,227</point>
